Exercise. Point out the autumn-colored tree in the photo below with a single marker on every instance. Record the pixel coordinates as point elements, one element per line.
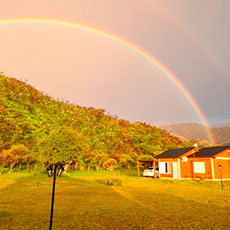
<point>17,154</point>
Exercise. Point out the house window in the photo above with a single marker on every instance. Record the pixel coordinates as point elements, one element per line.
<point>164,167</point>
<point>199,167</point>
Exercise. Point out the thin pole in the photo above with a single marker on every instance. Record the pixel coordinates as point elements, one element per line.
<point>222,185</point>
<point>138,168</point>
<point>52,203</point>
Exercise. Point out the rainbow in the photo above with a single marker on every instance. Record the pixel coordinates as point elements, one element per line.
<point>192,36</point>
<point>139,50</point>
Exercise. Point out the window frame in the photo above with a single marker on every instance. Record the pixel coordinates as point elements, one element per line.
<point>199,167</point>
<point>166,167</point>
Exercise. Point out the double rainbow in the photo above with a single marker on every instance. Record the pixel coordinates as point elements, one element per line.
<point>139,50</point>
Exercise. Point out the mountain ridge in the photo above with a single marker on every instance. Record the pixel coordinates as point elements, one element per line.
<point>193,130</point>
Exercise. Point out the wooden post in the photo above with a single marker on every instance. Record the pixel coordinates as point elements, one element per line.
<point>192,167</point>
<point>179,171</point>
<point>159,168</point>
<point>138,168</point>
<point>212,167</point>
<point>222,185</point>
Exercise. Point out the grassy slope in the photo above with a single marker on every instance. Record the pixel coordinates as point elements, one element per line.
<point>83,201</point>
<point>26,116</point>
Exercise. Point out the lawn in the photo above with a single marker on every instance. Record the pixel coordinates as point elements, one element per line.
<point>84,201</point>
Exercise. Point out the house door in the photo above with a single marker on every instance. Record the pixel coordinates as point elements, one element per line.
<point>175,170</point>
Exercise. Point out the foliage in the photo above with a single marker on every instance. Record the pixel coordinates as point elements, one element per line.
<point>145,157</point>
<point>127,161</point>
<point>110,164</point>
<point>63,145</point>
<point>97,156</point>
<point>17,154</point>
<point>42,124</point>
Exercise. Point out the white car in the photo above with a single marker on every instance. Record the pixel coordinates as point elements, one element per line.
<point>150,172</point>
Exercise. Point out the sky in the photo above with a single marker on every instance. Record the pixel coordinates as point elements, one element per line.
<point>190,38</point>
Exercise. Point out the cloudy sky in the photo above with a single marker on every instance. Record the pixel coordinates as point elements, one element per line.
<point>191,38</point>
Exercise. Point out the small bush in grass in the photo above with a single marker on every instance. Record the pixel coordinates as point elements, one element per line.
<point>202,179</point>
<point>115,180</point>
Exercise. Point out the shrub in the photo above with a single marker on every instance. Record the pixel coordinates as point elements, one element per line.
<point>115,180</point>
<point>17,154</point>
<point>202,179</point>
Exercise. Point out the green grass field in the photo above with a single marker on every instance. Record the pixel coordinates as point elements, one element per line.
<point>84,201</point>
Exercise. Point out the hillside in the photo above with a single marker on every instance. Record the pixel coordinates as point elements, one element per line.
<point>222,134</point>
<point>190,131</point>
<point>187,130</point>
<point>28,116</point>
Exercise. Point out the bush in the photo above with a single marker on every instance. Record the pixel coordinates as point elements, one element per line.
<point>116,180</point>
<point>202,179</point>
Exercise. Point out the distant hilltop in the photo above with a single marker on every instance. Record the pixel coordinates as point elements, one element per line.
<point>221,132</point>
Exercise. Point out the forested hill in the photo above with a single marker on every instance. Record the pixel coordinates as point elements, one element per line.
<point>27,116</point>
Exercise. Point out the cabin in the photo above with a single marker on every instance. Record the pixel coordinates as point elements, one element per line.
<point>211,163</point>
<point>175,163</point>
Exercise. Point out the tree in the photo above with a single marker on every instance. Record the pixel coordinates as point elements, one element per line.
<point>63,145</point>
<point>99,157</point>
<point>94,158</point>
<point>17,154</point>
<point>126,161</point>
